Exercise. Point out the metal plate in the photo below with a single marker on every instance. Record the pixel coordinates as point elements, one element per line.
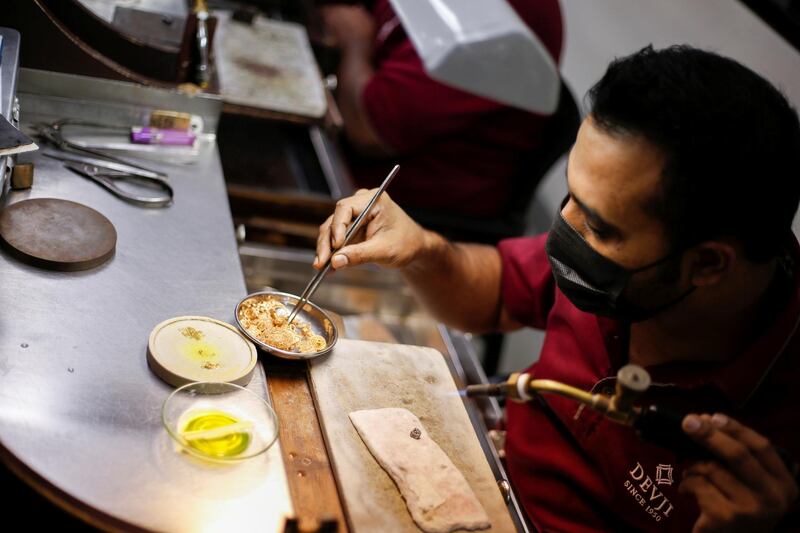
<point>57,234</point>
<point>320,323</point>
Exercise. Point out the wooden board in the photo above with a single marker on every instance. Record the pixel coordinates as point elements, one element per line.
<point>311,484</point>
<point>369,375</point>
<point>269,65</point>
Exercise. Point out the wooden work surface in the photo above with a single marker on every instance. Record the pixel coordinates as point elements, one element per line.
<point>311,483</point>
<point>368,375</point>
<point>308,471</point>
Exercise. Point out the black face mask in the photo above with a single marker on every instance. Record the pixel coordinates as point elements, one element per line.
<point>591,281</point>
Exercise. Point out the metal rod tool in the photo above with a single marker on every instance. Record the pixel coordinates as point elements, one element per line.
<point>351,231</point>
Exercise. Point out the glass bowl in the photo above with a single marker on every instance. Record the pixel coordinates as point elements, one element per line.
<point>219,421</point>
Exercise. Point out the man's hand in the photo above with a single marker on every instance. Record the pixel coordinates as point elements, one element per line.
<point>748,489</point>
<point>348,25</point>
<point>391,237</point>
<point>458,283</point>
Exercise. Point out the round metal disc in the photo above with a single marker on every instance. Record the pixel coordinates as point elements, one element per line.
<point>188,349</point>
<point>57,234</point>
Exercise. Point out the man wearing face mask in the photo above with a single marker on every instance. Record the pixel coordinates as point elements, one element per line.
<point>673,250</point>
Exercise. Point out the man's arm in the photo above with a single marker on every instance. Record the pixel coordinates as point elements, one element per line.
<point>353,30</point>
<point>458,283</point>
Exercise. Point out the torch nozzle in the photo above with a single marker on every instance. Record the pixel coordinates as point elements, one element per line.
<point>488,389</point>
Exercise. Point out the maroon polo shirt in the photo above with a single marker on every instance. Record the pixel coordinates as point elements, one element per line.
<point>573,469</point>
<point>459,152</point>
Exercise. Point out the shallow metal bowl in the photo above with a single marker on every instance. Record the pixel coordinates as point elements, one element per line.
<point>320,323</point>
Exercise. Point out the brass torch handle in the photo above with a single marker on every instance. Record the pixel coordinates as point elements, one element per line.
<point>632,381</point>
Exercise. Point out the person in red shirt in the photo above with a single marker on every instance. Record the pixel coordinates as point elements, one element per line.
<point>459,152</point>
<point>674,251</point>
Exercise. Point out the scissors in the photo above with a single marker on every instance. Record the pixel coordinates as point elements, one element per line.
<point>108,174</point>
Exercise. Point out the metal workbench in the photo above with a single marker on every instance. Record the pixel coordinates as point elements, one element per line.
<point>79,408</point>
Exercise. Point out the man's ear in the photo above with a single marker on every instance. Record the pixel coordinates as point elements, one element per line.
<point>710,261</point>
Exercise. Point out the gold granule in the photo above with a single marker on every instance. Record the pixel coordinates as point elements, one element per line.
<point>191,333</point>
<point>265,319</point>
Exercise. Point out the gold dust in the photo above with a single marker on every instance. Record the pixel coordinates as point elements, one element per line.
<point>200,350</point>
<point>265,319</point>
<point>191,333</point>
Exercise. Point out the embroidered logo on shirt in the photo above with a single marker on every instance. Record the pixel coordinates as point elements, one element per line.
<point>664,474</point>
<point>642,488</point>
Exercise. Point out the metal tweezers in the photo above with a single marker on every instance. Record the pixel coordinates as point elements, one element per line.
<point>352,230</point>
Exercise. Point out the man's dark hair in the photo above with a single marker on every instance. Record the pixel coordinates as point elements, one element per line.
<point>731,140</point>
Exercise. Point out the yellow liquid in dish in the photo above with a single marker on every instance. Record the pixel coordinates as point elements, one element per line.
<point>200,350</point>
<point>229,445</point>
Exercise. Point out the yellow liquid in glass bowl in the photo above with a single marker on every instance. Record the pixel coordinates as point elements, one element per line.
<point>226,446</point>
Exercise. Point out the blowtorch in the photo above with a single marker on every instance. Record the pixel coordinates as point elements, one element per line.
<point>656,424</point>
